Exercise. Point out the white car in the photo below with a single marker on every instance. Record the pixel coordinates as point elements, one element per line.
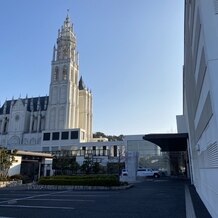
<point>148,172</point>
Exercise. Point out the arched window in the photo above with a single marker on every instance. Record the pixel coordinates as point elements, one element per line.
<point>5,129</point>
<point>65,73</point>
<point>56,74</point>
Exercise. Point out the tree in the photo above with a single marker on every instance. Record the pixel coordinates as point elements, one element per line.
<point>86,167</point>
<point>74,167</point>
<point>6,160</point>
<point>110,137</point>
<point>99,135</point>
<point>65,165</point>
<point>96,167</point>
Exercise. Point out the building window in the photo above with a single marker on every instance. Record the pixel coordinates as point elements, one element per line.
<point>54,148</point>
<point>94,150</point>
<point>46,136</point>
<point>55,136</point>
<point>115,151</point>
<point>74,135</point>
<point>56,74</point>
<point>45,148</point>
<point>65,73</point>
<point>104,150</point>
<point>64,135</point>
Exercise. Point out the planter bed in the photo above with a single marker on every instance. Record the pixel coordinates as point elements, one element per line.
<point>75,187</point>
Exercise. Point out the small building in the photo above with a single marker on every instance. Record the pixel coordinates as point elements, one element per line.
<point>31,165</point>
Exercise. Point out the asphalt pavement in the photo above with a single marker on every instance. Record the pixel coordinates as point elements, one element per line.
<point>153,198</point>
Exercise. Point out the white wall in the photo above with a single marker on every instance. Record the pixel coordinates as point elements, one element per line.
<point>15,167</point>
<point>181,124</point>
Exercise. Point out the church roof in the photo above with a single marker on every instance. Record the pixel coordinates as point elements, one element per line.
<point>32,104</point>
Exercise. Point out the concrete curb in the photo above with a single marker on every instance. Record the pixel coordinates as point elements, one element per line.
<point>190,212</point>
<point>69,187</point>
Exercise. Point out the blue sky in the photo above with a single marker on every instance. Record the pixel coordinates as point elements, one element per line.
<point>131,57</point>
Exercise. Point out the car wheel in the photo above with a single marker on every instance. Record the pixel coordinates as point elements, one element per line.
<point>156,175</point>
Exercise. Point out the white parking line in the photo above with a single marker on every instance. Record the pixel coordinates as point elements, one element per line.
<point>38,207</point>
<point>80,200</point>
<point>6,217</point>
<point>78,195</point>
<point>33,196</point>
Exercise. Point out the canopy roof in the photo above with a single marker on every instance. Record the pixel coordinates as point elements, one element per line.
<point>169,142</point>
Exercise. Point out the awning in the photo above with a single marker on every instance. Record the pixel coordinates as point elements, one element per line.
<point>169,142</point>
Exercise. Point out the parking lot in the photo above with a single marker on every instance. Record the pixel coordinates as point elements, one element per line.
<point>158,198</point>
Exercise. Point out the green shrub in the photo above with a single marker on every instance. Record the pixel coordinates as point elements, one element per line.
<point>87,180</point>
<point>16,177</point>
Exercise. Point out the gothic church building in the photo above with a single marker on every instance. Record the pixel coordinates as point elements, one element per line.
<point>61,119</point>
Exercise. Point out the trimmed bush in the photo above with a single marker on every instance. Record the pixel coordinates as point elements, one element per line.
<point>16,177</point>
<point>87,180</point>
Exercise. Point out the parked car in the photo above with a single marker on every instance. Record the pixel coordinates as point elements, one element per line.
<point>148,172</point>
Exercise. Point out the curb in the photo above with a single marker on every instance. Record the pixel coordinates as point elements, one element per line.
<point>69,187</point>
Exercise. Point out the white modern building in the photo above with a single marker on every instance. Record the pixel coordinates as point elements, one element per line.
<point>200,97</point>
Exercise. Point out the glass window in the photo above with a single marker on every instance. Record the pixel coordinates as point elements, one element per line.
<point>74,135</point>
<point>45,148</point>
<point>54,148</point>
<point>65,135</point>
<point>55,136</point>
<point>46,136</point>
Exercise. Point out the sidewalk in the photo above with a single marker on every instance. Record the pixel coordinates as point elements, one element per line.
<point>200,210</point>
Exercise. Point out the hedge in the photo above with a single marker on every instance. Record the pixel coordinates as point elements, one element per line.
<point>89,180</point>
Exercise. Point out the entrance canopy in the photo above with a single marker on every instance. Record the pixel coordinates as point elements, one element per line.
<point>169,142</point>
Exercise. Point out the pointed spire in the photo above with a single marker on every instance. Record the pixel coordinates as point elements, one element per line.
<point>38,104</point>
<point>81,84</point>
<point>54,53</point>
<point>68,10</point>
<point>12,102</point>
<point>31,104</point>
<point>67,22</point>
<point>26,101</point>
<point>5,107</point>
<point>67,28</point>
<point>46,102</point>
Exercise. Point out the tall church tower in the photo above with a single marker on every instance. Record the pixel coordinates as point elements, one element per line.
<point>63,106</point>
